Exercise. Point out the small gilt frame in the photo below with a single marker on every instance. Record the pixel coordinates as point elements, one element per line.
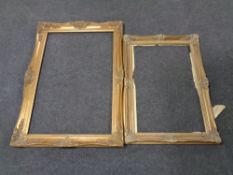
<point>132,136</point>
<point>21,137</point>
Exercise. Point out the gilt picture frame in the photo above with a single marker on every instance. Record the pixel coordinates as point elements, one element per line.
<point>132,136</point>
<point>21,136</point>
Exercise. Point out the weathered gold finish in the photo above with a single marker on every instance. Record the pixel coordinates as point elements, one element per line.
<point>132,136</point>
<point>21,137</point>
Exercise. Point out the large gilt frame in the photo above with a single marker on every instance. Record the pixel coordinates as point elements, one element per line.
<point>132,136</point>
<point>21,137</point>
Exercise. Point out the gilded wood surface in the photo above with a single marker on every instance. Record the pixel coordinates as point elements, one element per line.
<point>132,136</point>
<point>21,137</point>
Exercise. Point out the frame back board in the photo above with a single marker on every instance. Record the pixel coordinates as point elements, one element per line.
<point>132,136</point>
<point>21,137</point>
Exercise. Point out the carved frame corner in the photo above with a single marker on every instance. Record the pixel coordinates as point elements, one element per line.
<point>132,136</point>
<point>21,137</point>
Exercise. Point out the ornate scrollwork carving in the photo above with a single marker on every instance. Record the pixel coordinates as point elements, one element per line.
<point>79,24</point>
<point>45,27</point>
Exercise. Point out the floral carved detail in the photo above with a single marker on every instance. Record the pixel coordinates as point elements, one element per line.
<point>45,27</point>
<point>80,24</point>
<point>105,25</point>
<point>48,26</point>
<point>40,29</point>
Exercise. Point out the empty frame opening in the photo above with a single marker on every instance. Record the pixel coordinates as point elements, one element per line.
<point>74,93</point>
<point>166,97</point>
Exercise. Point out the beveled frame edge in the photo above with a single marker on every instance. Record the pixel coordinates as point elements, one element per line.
<point>21,137</point>
<point>132,136</point>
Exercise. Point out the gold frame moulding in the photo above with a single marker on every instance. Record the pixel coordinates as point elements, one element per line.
<point>132,136</point>
<point>21,137</point>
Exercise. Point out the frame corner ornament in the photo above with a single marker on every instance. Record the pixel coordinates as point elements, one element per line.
<point>214,137</point>
<point>18,138</point>
<point>130,137</point>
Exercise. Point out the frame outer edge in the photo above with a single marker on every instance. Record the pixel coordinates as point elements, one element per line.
<point>20,138</point>
<point>211,136</point>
